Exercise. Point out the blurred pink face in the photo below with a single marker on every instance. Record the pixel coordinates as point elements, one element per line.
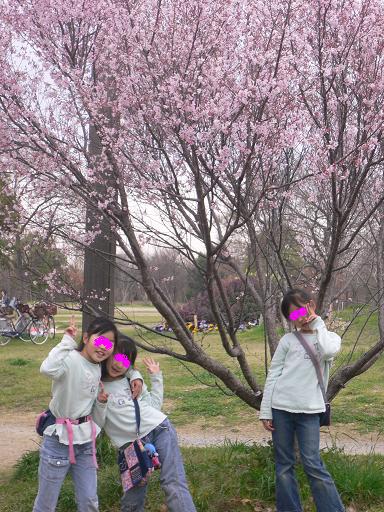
<point>103,341</point>
<point>117,365</point>
<point>123,359</point>
<point>99,346</point>
<point>298,314</point>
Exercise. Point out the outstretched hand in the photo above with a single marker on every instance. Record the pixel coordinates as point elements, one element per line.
<point>151,365</point>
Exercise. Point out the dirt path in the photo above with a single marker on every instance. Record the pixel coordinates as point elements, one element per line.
<point>17,435</point>
<point>336,436</point>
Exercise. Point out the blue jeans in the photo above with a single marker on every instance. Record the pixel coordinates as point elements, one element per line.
<point>172,475</point>
<point>307,430</point>
<point>54,466</point>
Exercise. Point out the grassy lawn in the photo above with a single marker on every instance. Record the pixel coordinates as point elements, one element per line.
<point>190,391</point>
<point>361,402</point>
<point>141,313</point>
<point>233,478</point>
<point>192,397</point>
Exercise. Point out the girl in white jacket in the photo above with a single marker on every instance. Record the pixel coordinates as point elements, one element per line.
<point>292,402</point>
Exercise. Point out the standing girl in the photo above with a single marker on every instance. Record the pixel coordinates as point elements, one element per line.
<point>292,402</point>
<point>69,441</point>
<point>117,416</point>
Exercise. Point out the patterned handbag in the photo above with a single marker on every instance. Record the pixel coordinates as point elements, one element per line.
<point>135,465</point>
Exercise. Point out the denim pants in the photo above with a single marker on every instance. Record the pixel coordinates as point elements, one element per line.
<point>172,475</point>
<point>53,467</point>
<point>307,430</point>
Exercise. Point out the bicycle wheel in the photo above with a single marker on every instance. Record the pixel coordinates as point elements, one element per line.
<point>5,328</point>
<point>4,340</point>
<point>52,327</point>
<point>22,328</point>
<point>38,331</point>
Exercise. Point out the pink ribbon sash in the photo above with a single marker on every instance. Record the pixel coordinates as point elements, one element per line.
<point>68,423</point>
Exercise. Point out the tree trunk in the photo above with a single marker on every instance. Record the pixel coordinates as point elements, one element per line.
<point>99,274</point>
<point>18,287</point>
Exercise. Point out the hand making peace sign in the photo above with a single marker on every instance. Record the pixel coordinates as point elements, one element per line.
<point>102,396</point>
<point>72,329</point>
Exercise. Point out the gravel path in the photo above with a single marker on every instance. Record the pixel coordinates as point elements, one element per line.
<point>17,435</point>
<point>352,444</point>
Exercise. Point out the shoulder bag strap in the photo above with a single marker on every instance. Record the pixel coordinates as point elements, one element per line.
<point>137,412</point>
<point>310,351</point>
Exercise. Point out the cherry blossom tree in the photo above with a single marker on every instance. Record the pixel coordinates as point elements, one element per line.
<point>213,120</point>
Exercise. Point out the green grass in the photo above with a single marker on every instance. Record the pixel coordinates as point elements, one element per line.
<point>141,313</point>
<point>186,397</point>
<point>232,478</point>
<point>18,362</point>
<point>360,403</point>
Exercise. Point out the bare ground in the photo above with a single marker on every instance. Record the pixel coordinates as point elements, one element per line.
<point>17,436</point>
<point>339,436</point>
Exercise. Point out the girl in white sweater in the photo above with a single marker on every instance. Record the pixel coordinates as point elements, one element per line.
<point>118,419</point>
<point>70,434</point>
<point>292,402</point>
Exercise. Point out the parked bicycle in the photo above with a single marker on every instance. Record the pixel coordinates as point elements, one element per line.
<point>45,312</point>
<point>35,324</point>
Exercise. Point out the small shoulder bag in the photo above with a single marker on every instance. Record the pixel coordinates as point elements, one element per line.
<point>44,420</point>
<point>325,417</point>
<point>135,464</point>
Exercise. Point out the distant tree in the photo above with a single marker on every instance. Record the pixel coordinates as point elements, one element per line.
<point>8,218</point>
<point>263,119</point>
<point>241,304</point>
<point>196,273</point>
